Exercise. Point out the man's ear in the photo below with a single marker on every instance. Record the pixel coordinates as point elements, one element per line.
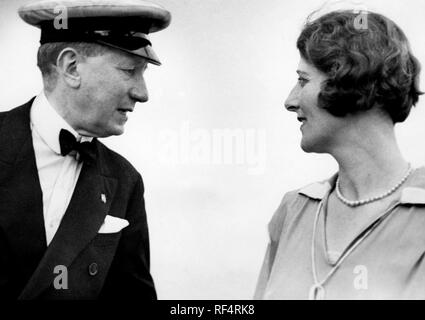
<point>66,66</point>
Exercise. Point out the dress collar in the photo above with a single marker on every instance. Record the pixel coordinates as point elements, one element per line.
<point>413,191</point>
<point>412,195</point>
<point>48,123</point>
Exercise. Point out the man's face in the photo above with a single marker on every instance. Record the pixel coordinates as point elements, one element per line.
<point>111,84</point>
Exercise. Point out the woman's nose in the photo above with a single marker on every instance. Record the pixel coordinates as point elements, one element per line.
<point>291,102</point>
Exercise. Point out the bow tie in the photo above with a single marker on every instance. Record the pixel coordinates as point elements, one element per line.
<point>68,143</point>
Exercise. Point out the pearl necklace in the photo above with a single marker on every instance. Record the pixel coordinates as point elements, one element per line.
<point>356,203</point>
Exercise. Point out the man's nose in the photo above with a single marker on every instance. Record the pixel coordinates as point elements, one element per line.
<point>292,101</point>
<point>139,91</point>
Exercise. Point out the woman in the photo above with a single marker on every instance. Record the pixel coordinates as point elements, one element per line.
<point>360,234</point>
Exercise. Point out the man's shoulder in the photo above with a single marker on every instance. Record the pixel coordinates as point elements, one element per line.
<point>116,163</point>
<point>296,202</point>
<point>6,113</point>
<point>2,116</point>
<point>20,111</point>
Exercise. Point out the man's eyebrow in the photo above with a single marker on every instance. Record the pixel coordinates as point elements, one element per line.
<point>140,64</point>
<point>132,65</point>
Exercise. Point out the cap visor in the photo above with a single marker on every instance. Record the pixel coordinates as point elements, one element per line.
<point>144,52</point>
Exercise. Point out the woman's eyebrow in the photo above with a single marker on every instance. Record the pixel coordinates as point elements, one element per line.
<point>302,73</point>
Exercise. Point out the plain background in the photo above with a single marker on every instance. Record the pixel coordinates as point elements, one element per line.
<point>227,64</point>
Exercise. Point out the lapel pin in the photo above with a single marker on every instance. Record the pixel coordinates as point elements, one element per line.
<point>103,197</point>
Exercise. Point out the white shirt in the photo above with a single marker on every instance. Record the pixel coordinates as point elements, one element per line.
<point>58,174</point>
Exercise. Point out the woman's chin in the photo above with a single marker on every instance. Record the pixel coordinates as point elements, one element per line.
<point>306,145</point>
<point>312,146</point>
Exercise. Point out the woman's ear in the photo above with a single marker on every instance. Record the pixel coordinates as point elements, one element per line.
<point>66,66</point>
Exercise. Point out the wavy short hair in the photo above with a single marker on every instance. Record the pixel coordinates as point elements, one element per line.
<point>368,63</point>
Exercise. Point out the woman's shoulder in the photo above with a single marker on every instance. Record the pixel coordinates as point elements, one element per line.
<point>313,191</point>
<point>418,177</point>
<point>295,202</point>
<point>413,191</point>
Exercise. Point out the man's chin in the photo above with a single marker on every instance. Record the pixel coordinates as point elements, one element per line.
<point>113,132</point>
<point>305,146</point>
<point>117,132</point>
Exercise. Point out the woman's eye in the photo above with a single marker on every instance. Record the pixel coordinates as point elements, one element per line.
<point>302,81</point>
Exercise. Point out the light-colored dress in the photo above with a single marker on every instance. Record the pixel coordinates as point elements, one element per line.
<point>388,263</point>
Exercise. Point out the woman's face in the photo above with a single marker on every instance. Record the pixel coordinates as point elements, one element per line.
<point>319,128</point>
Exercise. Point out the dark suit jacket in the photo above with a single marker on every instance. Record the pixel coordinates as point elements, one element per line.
<point>112,265</point>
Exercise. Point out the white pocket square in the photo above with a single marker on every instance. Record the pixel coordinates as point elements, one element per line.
<point>113,224</point>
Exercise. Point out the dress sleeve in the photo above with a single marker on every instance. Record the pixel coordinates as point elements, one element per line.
<point>275,227</point>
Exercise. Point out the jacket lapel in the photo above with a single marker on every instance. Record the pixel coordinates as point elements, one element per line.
<point>21,202</point>
<point>80,224</point>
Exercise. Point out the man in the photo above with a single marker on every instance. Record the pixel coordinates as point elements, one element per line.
<point>72,215</point>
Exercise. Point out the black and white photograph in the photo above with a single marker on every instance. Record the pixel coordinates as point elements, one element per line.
<point>212,150</point>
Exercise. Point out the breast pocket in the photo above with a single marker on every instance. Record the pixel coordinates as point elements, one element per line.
<point>106,239</point>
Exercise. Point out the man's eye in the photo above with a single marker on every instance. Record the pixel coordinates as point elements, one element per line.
<point>129,71</point>
<point>302,81</point>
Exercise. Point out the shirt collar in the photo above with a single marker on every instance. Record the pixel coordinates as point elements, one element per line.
<point>48,123</point>
<point>413,191</point>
